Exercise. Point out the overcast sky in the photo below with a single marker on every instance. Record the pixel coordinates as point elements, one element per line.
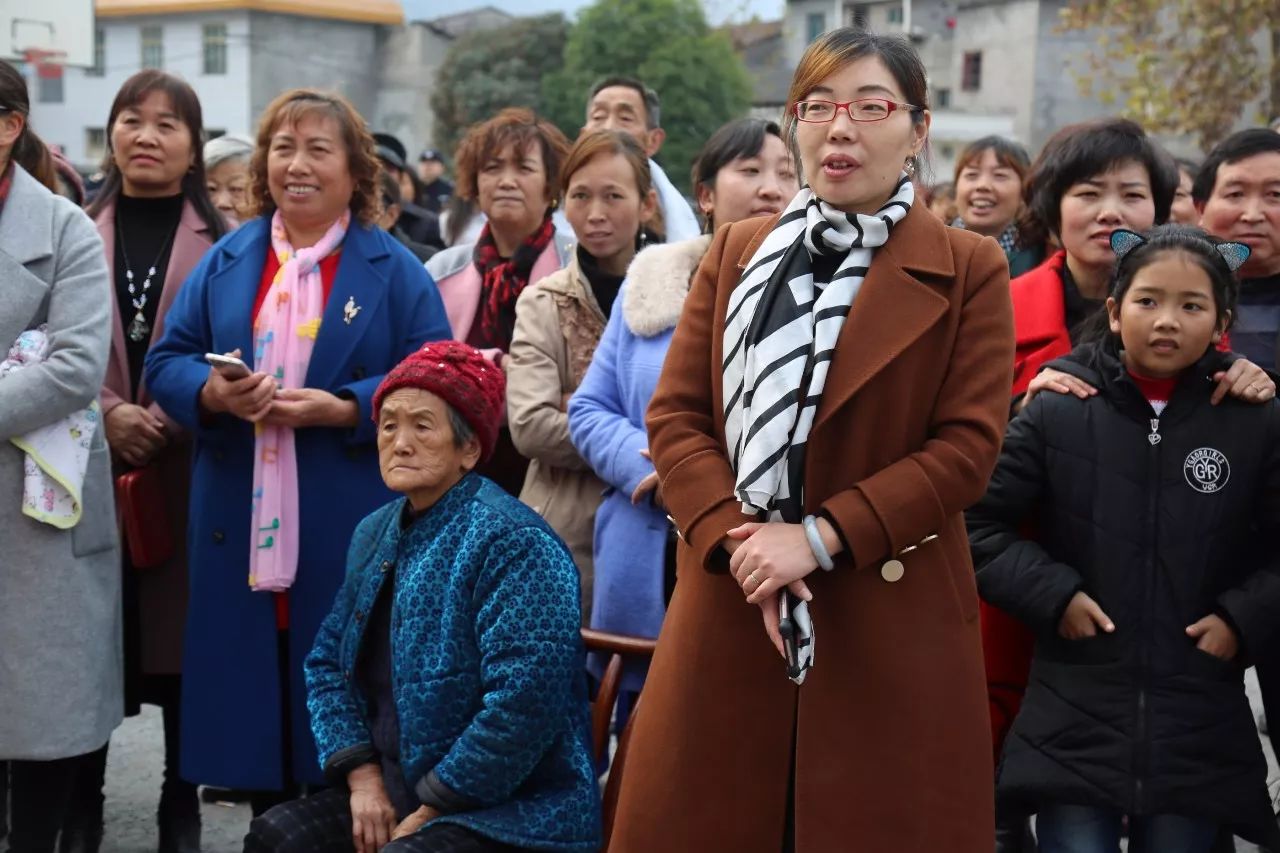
<point>718,11</point>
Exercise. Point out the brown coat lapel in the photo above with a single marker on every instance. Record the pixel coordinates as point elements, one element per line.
<point>893,308</point>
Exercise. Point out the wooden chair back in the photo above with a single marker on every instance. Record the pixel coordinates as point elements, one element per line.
<point>618,647</point>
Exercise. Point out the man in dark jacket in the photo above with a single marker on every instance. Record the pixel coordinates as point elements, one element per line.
<point>1158,520</point>
<point>420,224</point>
<point>391,217</point>
<point>436,188</point>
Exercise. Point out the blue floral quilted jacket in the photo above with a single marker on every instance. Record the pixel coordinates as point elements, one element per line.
<point>487,665</point>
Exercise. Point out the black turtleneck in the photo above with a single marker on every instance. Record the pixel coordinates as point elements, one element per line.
<point>604,285</point>
<point>1078,308</point>
<point>145,228</point>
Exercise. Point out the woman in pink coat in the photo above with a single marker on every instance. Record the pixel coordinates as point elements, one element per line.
<point>510,165</point>
<point>156,222</point>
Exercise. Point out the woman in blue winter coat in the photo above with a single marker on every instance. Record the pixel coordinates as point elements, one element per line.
<point>297,433</point>
<point>446,688</point>
<point>744,170</point>
<point>1151,583</point>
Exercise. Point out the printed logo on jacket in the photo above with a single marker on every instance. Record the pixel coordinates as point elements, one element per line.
<point>1206,470</point>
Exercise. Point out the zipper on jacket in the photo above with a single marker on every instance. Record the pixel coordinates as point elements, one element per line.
<point>1140,762</point>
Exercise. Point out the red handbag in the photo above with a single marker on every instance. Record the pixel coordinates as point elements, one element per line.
<point>144,518</point>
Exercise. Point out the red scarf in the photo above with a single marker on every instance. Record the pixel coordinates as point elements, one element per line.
<point>502,280</point>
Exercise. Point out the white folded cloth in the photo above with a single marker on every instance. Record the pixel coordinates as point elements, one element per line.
<point>57,454</point>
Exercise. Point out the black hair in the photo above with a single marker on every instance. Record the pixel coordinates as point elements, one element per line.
<point>1233,149</point>
<point>1194,243</point>
<point>652,103</point>
<point>186,104</point>
<point>1082,151</point>
<point>29,151</point>
<point>389,188</point>
<point>742,137</point>
<point>1186,164</point>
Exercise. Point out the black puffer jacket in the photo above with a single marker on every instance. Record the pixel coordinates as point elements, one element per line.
<point>1161,532</point>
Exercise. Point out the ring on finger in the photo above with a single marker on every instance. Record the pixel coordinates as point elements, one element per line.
<point>753,579</point>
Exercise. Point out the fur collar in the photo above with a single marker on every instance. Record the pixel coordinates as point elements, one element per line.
<point>657,284</point>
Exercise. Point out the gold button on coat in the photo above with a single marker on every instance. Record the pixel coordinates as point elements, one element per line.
<point>893,570</point>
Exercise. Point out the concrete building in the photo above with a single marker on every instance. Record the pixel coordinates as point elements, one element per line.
<point>763,48</point>
<point>236,54</point>
<point>411,57</point>
<point>239,54</point>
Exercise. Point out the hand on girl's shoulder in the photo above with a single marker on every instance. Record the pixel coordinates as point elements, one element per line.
<point>1057,381</point>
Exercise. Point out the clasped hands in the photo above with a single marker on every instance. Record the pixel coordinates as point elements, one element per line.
<point>257,398</point>
<point>1084,618</point>
<point>765,558</point>
<point>373,818</point>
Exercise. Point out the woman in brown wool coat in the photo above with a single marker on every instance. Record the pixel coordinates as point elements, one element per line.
<point>885,748</point>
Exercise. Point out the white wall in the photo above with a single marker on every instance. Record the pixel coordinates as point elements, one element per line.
<point>1006,34</point>
<point>224,98</point>
<point>412,55</point>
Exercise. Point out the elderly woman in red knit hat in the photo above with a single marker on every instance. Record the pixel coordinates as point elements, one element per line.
<point>446,687</point>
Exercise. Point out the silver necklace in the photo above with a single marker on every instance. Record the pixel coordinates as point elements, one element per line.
<point>139,328</point>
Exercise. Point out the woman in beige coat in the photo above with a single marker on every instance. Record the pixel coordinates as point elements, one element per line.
<point>608,199</point>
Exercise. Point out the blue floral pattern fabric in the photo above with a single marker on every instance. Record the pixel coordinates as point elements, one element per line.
<point>487,665</point>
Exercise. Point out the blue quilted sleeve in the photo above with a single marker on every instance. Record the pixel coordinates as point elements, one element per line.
<point>530,656</point>
<point>337,722</point>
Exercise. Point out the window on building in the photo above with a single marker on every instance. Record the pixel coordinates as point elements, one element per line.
<point>942,98</point>
<point>153,47</point>
<point>99,66</point>
<point>215,48</point>
<point>815,25</point>
<point>50,87</point>
<point>859,18</point>
<point>95,143</point>
<point>971,74</point>
<point>895,15</point>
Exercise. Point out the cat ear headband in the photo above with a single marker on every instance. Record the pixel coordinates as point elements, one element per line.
<point>1124,241</point>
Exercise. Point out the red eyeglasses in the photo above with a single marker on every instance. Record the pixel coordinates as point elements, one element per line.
<point>862,110</point>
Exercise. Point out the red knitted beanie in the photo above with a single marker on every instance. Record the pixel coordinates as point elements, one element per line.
<point>459,375</point>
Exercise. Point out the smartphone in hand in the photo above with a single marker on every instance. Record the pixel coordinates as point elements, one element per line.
<point>228,366</point>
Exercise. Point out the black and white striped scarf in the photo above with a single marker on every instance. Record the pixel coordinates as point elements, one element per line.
<point>780,334</point>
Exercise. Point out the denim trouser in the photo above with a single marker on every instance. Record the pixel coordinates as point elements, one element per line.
<point>1085,829</point>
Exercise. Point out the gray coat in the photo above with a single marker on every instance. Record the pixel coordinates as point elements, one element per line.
<point>61,676</point>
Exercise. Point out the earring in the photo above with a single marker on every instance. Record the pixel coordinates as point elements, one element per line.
<point>910,166</point>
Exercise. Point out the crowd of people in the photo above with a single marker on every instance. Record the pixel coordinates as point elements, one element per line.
<point>332,458</point>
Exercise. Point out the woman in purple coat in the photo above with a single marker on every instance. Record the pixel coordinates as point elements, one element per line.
<point>744,170</point>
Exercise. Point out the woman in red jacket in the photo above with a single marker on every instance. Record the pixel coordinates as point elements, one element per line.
<point>1089,180</point>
